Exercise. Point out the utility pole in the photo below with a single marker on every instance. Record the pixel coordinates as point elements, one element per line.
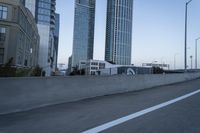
<point>186,14</point>
<point>191,61</point>
<point>196,42</point>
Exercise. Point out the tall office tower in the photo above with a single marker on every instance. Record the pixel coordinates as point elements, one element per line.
<point>119,32</point>
<point>56,38</point>
<point>84,21</point>
<point>44,13</point>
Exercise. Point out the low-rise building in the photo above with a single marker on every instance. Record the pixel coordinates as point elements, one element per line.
<point>98,67</point>
<point>92,66</point>
<point>125,70</point>
<point>19,38</point>
<point>163,66</point>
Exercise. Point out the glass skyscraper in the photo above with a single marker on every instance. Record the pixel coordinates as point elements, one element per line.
<point>83,39</point>
<point>56,38</point>
<point>119,31</point>
<point>45,17</point>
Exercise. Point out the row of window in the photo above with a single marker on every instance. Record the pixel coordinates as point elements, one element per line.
<point>94,68</point>
<point>24,62</point>
<point>102,65</point>
<point>3,12</point>
<point>26,58</point>
<point>44,11</point>
<point>94,63</point>
<point>2,35</point>
<point>90,3</point>
<point>44,18</point>
<point>26,25</point>
<point>47,1</point>
<point>44,5</point>
<point>2,41</point>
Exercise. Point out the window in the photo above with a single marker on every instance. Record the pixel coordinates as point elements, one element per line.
<point>92,73</point>
<point>21,40</point>
<point>94,68</point>
<point>26,63</point>
<point>44,5</point>
<point>28,45</point>
<point>3,12</point>
<point>102,65</point>
<point>44,12</point>
<point>94,63</point>
<point>2,35</point>
<point>19,59</point>
<point>1,55</point>
<point>44,18</point>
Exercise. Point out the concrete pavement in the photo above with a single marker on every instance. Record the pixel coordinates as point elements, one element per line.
<point>80,116</point>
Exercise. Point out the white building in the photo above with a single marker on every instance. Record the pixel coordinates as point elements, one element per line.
<point>163,66</point>
<point>98,67</point>
<point>92,67</point>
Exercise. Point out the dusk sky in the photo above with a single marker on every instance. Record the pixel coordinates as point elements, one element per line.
<point>158,30</point>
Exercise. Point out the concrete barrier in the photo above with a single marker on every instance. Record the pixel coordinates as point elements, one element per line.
<point>20,94</point>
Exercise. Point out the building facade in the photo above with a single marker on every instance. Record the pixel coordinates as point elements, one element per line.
<point>44,13</point>
<point>69,69</point>
<point>92,66</point>
<point>31,5</point>
<point>119,31</point>
<point>163,66</point>
<point>19,38</point>
<point>56,39</point>
<point>125,70</point>
<point>84,23</point>
<point>99,67</point>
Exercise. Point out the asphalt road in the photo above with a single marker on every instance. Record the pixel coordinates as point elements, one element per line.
<point>180,117</point>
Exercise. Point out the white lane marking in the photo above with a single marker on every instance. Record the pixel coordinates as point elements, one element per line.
<point>137,114</point>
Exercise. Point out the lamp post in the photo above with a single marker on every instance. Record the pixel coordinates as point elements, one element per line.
<point>186,14</point>
<point>191,60</point>
<point>196,42</point>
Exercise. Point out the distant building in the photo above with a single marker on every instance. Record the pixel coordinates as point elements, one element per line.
<point>19,38</point>
<point>125,70</point>
<point>44,13</point>
<point>92,66</point>
<point>119,31</point>
<point>98,67</point>
<point>164,66</point>
<point>69,70</point>
<point>84,21</point>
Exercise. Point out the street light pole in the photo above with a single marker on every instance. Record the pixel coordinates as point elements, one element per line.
<point>186,14</point>
<point>196,42</point>
<point>191,60</point>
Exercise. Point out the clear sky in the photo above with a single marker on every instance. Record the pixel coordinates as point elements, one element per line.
<point>158,30</point>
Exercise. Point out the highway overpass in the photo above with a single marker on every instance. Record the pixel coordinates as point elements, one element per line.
<point>172,108</point>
